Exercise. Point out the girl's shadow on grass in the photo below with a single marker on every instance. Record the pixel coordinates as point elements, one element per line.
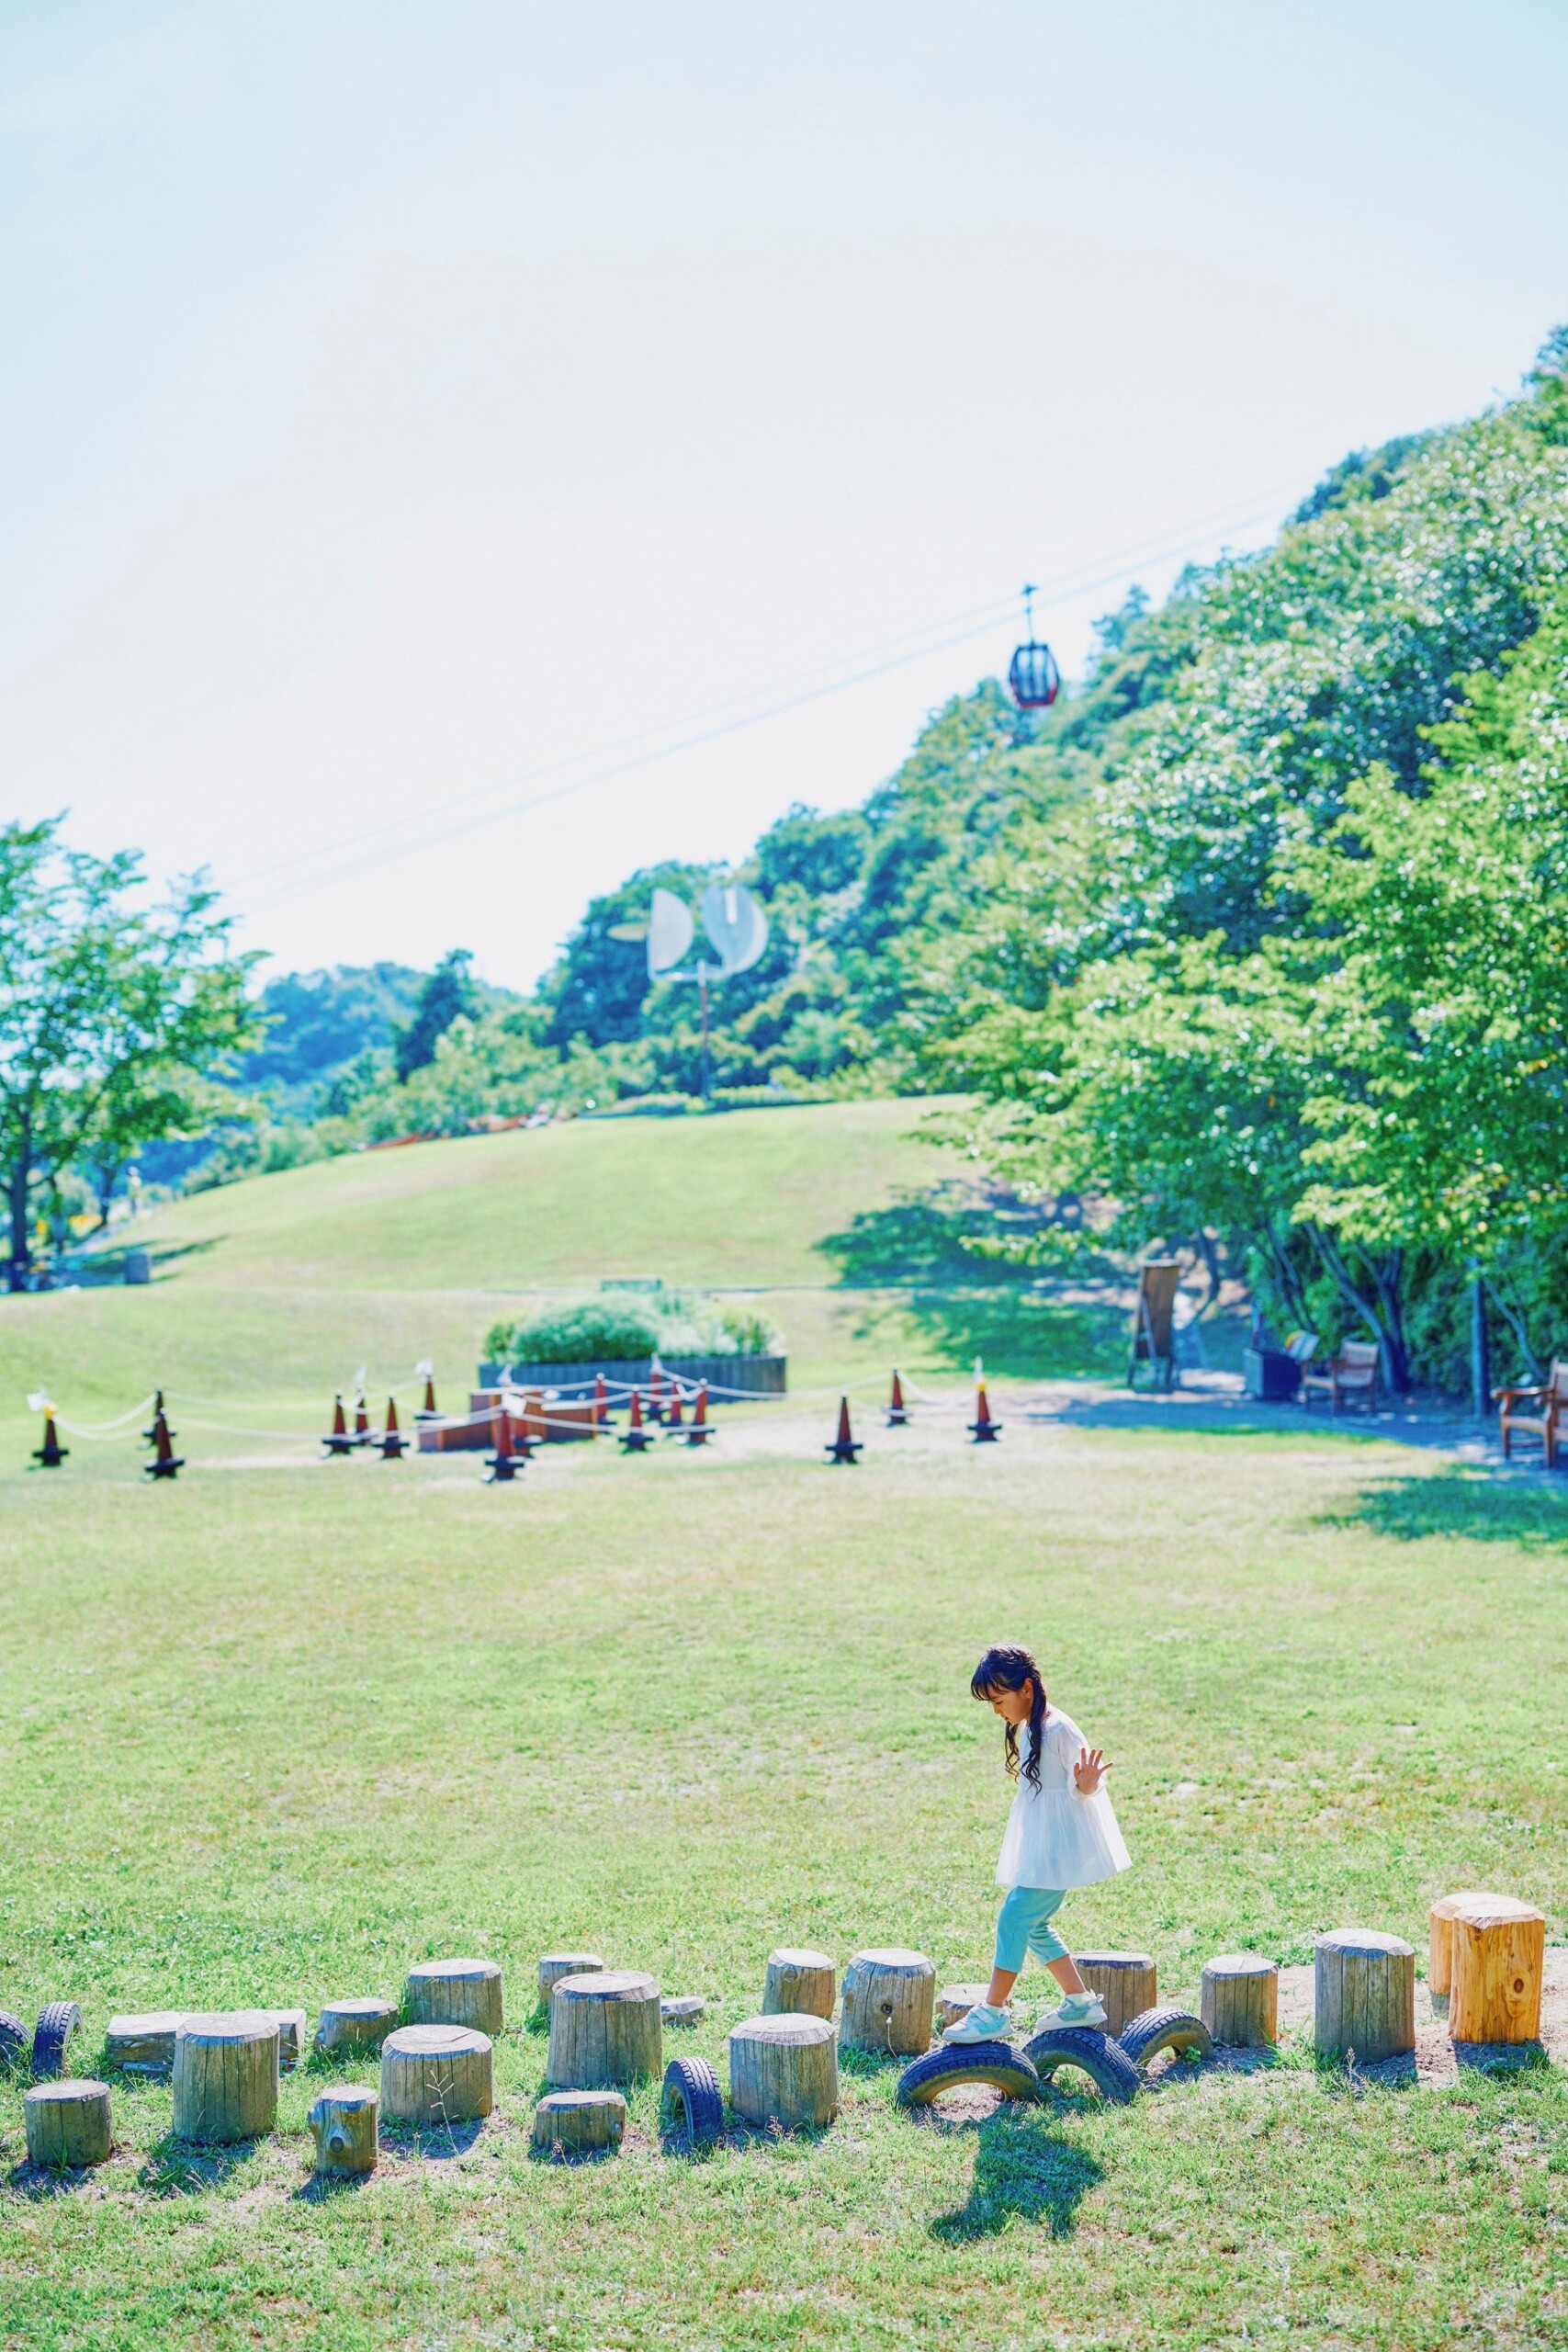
<point>1019,2167</point>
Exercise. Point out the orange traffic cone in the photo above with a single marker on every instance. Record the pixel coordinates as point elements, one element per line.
<point>165,1462</point>
<point>503,1463</point>
<point>337,1440</point>
<point>656,1393</point>
<point>393,1443</point>
<point>51,1454</point>
<point>673,1419</point>
<point>427,1411</point>
<point>361,1421</point>
<point>150,1434</point>
<point>602,1417</point>
<point>844,1447</point>
<point>983,1430</point>
<point>634,1437</point>
<point>700,1432</point>
<point>898,1414</point>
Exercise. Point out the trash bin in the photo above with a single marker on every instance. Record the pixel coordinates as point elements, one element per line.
<point>138,1266</point>
<point>1271,1375</point>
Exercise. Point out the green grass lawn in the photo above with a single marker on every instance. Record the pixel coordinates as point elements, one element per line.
<point>270,1735</point>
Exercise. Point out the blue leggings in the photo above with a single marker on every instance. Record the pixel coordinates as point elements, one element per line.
<point>1023,1925</point>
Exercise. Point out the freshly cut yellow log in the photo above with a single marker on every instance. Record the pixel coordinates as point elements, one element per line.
<point>1499,1957</point>
<point>68,2124</point>
<point>1440,1931</point>
<point>800,1981</point>
<point>456,1992</point>
<point>784,2070</point>
<point>344,2126</point>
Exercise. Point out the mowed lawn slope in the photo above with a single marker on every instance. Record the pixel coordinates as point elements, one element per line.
<point>271,1736</point>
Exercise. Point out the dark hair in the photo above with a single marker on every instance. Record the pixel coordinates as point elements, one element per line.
<point>1005,1668</point>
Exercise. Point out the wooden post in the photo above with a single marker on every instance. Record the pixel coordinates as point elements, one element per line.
<point>799,1982</point>
<point>68,2124</point>
<point>556,1965</point>
<point>580,2122</point>
<point>682,2008</point>
<point>291,2038</point>
<point>456,1992</point>
<point>1125,1981</point>
<point>1365,1995</point>
<point>1240,2001</point>
<point>226,2076</point>
<point>955,2001</point>
<point>888,1998</point>
<point>784,2070</point>
<point>605,2028</point>
<point>1499,1957</point>
<point>437,2073</point>
<point>144,2044</point>
<point>355,2025</point>
<point>1440,1934</point>
<point>345,2125</point>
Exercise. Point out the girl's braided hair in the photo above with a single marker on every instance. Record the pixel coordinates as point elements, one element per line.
<point>1005,1668</point>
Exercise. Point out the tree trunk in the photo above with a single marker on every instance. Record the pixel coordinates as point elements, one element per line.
<point>226,2076</point>
<point>1240,2001</point>
<point>346,2126</point>
<point>784,2070</point>
<point>437,2073</point>
<point>1126,1981</point>
<point>605,2028</point>
<point>888,1998</point>
<point>355,2025</point>
<point>142,2045</point>
<point>1365,1995</point>
<point>456,1992</point>
<point>580,2122</point>
<point>1499,1957</point>
<point>68,2124</point>
<point>18,1178</point>
<point>799,1982</point>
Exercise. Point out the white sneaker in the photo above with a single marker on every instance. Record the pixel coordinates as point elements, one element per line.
<point>983,2024</point>
<point>1077,2008</point>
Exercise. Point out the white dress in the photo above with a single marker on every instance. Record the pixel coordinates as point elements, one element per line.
<point>1056,1837</point>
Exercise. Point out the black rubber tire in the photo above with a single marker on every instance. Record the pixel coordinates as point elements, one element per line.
<point>1152,2030</point>
<point>955,2063</point>
<point>1103,2060</point>
<point>15,2040</point>
<point>692,2101</point>
<point>52,2038</point>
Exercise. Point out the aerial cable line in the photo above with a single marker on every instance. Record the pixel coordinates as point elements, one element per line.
<point>1066,584</point>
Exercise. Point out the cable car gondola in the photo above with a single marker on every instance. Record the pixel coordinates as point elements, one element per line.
<point>1034,678</point>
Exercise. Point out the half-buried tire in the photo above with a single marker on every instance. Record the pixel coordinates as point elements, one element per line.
<point>692,2101</point>
<point>15,2042</point>
<point>954,2065</point>
<point>57,2022</point>
<point>1095,2054</point>
<point>1152,2030</point>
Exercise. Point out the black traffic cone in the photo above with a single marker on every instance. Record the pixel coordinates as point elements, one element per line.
<point>51,1454</point>
<point>844,1447</point>
<point>983,1430</point>
<point>393,1443</point>
<point>165,1462</point>
<point>634,1437</point>
<point>699,1431</point>
<point>503,1463</point>
<point>361,1421</point>
<point>337,1439</point>
<point>898,1414</point>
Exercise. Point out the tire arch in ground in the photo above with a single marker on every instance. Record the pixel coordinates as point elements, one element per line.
<point>1081,2048</point>
<point>692,2100</point>
<point>1152,2030</point>
<point>953,2066</point>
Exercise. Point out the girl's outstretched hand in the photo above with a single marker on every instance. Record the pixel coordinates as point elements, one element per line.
<point>1090,1770</point>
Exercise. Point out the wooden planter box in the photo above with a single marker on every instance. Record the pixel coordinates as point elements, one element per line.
<point>754,1375</point>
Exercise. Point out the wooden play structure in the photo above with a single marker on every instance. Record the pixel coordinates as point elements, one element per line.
<point>783,2070</point>
<point>1364,1996</point>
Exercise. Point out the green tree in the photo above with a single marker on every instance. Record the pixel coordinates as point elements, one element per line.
<point>442,999</point>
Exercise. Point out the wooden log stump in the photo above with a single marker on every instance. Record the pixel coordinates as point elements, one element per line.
<point>889,1994</point>
<point>580,2122</point>
<point>1240,2001</point>
<point>799,1983</point>
<point>143,2044</point>
<point>456,1992</point>
<point>345,2125</point>
<point>226,2076</point>
<point>1364,1996</point>
<point>291,2038</point>
<point>1499,1956</point>
<point>954,2002</point>
<point>784,2069</point>
<point>1125,1981</point>
<point>556,1965</point>
<point>606,2029</point>
<point>683,2008</point>
<point>68,2124</point>
<point>437,2073</point>
<point>355,2024</point>
<point>1440,1934</point>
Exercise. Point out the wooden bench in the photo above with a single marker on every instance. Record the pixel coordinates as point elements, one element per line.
<point>1538,1411</point>
<point>1353,1373</point>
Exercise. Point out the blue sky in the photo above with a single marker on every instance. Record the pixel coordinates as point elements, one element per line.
<point>408,405</point>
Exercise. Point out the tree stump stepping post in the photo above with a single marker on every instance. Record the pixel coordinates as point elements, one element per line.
<point>346,2126</point>
<point>456,1992</point>
<point>1126,1981</point>
<point>606,2029</point>
<point>784,2069</point>
<point>889,1994</point>
<point>68,2124</point>
<point>226,2076</point>
<point>682,2008</point>
<point>143,2044</point>
<point>1364,1996</point>
<point>954,2002</point>
<point>291,2026</point>
<point>437,2073</point>
<point>580,2123</point>
<point>355,2024</point>
<point>556,1965</point>
<point>799,1983</point>
<point>1240,2001</point>
<point>1499,1957</point>
<point>1440,1933</point>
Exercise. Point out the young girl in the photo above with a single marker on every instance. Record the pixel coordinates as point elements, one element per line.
<point>1061,1833</point>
